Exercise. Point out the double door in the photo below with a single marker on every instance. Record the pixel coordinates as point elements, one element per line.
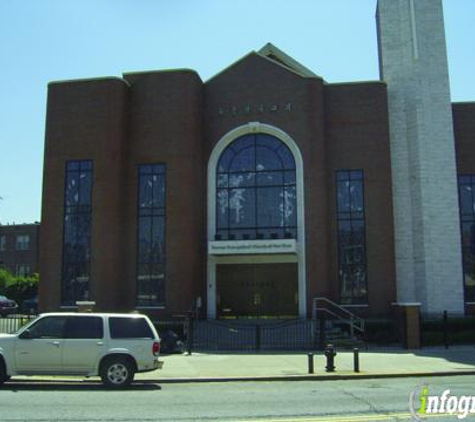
<point>257,290</point>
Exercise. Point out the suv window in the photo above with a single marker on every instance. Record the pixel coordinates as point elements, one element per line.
<point>84,327</point>
<point>121,327</point>
<point>49,327</point>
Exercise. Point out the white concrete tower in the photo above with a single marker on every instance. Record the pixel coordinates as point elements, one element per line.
<point>413,63</point>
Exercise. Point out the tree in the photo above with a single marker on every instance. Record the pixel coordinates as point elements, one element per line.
<point>18,288</point>
<point>5,279</point>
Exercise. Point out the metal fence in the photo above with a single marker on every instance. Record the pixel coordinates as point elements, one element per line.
<point>256,334</point>
<point>251,335</point>
<point>13,323</point>
<point>444,329</point>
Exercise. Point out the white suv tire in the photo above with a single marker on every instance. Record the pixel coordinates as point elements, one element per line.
<point>117,372</point>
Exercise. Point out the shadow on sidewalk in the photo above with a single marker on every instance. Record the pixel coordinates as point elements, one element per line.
<point>70,385</point>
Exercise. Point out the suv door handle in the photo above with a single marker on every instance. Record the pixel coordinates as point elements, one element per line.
<point>100,343</point>
<point>55,343</point>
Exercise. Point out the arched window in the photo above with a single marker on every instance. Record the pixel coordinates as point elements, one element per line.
<point>256,190</point>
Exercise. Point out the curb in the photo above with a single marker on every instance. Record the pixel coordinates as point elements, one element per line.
<point>310,377</point>
<point>264,378</point>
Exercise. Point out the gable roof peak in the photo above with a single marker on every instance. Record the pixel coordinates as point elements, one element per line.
<point>271,52</point>
<point>277,57</point>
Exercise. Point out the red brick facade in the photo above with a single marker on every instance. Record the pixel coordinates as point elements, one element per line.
<point>173,118</point>
<point>19,251</point>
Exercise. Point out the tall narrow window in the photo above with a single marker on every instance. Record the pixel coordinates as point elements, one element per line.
<point>77,232</point>
<point>3,243</point>
<point>256,194</point>
<point>351,237</point>
<point>151,235</point>
<point>467,222</point>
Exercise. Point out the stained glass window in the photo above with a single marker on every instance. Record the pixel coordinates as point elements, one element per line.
<point>256,194</point>
<point>77,232</point>
<point>151,235</point>
<point>351,237</point>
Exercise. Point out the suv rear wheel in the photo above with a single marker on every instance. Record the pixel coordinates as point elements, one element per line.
<point>117,372</point>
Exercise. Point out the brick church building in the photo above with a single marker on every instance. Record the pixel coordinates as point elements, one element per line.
<point>264,187</point>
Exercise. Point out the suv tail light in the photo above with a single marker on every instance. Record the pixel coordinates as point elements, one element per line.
<point>156,348</point>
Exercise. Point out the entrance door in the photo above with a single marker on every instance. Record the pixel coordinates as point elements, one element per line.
<point>257,290</point>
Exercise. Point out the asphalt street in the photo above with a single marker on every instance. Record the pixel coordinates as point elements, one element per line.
<point>299,401</point>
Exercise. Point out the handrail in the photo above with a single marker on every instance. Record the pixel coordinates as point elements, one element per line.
<point>354,321</point>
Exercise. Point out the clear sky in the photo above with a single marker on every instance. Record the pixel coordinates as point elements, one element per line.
<point>48,40</point>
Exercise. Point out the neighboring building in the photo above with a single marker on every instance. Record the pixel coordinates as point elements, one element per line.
<point>19,248</point>
<point>265,186</point>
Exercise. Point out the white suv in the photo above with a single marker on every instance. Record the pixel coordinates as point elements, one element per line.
<point>113,346</point>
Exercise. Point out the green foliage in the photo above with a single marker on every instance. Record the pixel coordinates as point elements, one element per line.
<point>5,279</point>
<point>18,288</point>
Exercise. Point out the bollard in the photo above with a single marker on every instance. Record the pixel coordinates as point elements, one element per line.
<point>189,335</point>
<point>356,360</point>
<point>310,363</point>
<point>330,355</point>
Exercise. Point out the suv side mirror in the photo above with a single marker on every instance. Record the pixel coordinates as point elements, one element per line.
<point>26,335</point>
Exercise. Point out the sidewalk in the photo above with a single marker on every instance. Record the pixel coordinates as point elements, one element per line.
<point>202,367</point>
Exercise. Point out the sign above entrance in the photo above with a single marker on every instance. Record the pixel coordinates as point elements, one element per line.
<point>252,247</point>
<point>259,108</point>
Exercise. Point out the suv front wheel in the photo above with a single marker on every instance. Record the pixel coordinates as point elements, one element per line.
<point>117,372</point>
